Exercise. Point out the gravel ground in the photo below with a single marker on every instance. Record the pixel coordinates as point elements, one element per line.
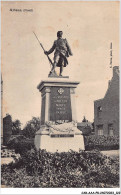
<point>111,152</point>
<point>6,160</point>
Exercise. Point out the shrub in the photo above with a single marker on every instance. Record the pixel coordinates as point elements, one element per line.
<point>71,169</point>
<point>87,131</point>
<point>101,142</point>
<point>21,144</point>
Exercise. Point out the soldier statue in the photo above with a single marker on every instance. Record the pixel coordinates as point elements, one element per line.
<point>62,51</point>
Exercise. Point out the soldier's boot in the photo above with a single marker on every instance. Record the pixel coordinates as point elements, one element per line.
<point>53,68</point>
<point>61,70</point>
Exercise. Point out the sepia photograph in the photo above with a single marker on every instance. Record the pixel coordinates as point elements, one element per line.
<point>60,94</point>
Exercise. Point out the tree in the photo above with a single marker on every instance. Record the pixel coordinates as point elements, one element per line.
<point>16,127</point>
<point>31,127</point>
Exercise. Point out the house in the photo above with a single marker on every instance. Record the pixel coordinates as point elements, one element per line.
<point>106,110</point>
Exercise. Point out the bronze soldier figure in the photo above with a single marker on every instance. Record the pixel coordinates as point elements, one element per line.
<point>62,51</point>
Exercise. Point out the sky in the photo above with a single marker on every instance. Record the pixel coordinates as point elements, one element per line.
<point>89,27</point>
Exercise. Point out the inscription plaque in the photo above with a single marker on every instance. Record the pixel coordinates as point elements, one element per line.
<point>60,104</point>
<point>62,135</point>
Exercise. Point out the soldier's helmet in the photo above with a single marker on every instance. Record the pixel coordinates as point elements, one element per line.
<point>59,34</point>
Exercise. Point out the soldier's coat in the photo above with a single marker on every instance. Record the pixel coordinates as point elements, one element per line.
<point>62,51</point>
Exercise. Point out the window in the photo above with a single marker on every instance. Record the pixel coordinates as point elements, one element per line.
<point>99,111</point>
<point>110,130</point>
<point>100,129</point>
<point>100,132</point>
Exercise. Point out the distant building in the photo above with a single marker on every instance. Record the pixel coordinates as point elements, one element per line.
<point>85,126</point>
<point>106,110</point>
<point>7,129</point>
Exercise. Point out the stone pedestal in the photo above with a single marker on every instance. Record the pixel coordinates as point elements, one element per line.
<point>58,106</point>
<point>60,144</point>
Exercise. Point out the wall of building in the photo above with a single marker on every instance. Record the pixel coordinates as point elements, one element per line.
<point>106,110</point>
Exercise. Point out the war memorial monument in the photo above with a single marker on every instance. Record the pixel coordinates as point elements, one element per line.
<point>58,131</point>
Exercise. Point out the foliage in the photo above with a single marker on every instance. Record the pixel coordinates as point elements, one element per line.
<point>101,142</point>
<point>87,131</point>
<point>9,153</point>
<point>31,127</point>
<point>20,143</point>
<point>16,127</point>
<point>71,169</point>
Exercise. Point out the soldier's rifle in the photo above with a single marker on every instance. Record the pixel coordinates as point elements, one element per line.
<point>50,61</point>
